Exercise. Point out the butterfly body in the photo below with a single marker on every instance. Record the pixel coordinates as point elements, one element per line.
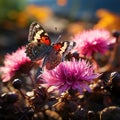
<point>40,47</point>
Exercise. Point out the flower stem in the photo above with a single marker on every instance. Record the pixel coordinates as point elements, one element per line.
<point>22,93</point>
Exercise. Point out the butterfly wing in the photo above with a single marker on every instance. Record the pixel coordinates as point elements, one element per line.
<point>52,60</point>
<point>59,50</point>
<point>39,42</point>
<point>36,32</point>
<point>64,47</point>
<point>37,52</point>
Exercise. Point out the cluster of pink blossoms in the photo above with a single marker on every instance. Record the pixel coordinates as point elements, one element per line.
<point>93,41</point>
<point>68,74</point>
<point>13,63</point>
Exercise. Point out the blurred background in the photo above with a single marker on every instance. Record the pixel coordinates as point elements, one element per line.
<point>68,16</point>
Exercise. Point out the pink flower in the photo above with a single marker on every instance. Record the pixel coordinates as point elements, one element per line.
<point>15,63</point>
<point>70,75</point>
<point>92,41</point>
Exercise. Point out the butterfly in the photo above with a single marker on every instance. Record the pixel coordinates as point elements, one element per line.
<point>41,47</point>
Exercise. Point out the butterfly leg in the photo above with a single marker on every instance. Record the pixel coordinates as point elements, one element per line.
<point>38,73</point>
<point>44,62</point>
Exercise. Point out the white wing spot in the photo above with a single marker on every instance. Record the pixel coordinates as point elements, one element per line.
<point>37,26</point>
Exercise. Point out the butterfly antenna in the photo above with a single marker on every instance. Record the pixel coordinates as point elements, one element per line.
<point>58,38</point>
<point>56,29</point>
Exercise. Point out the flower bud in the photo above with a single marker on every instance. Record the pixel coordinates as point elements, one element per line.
<point>17,83</point>
<point>9,97</point>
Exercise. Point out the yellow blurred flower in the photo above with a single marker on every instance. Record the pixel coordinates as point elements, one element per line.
<point>75,28</point>
<point>37,12</point>
<point>108,20</point>
<point>20,19</point>
<point>41,14</point>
